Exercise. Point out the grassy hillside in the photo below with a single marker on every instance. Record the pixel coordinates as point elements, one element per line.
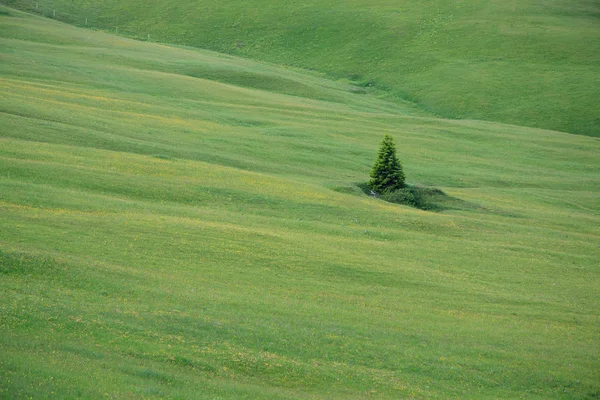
<point>178,223</point>
<point>530,63</point>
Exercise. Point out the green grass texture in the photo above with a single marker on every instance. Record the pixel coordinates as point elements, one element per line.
<point>177,224</point>
<point>529,62</point>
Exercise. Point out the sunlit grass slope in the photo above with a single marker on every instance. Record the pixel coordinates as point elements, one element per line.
<point>164,235</point>
<point>529,62</point>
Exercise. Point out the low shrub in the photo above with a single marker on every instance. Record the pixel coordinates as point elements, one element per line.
<point>400,196</point>
<point>424,198</point>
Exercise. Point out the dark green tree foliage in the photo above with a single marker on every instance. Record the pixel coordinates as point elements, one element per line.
<point>386,173</point>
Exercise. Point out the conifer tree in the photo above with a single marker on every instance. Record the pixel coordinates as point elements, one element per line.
<point>386,174</point>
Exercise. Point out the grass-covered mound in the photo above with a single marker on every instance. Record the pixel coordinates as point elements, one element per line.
<point>418,197</point>
<point>164,235</point>
<point>423,198</point>
<point>532,63</point>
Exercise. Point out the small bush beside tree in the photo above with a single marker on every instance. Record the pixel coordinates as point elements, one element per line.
<point>404,196</point>
<point>387,174</point>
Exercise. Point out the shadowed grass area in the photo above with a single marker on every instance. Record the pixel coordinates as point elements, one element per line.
<point>170,236</point>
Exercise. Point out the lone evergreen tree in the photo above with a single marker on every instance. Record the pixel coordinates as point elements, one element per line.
<point>386,173</point>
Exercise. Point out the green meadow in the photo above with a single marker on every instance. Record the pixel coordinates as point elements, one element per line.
<point>179,223</point>
<point>525,62</point>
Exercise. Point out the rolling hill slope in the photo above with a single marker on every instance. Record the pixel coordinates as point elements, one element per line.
<point>177,223</point>
<point>528,63</point>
